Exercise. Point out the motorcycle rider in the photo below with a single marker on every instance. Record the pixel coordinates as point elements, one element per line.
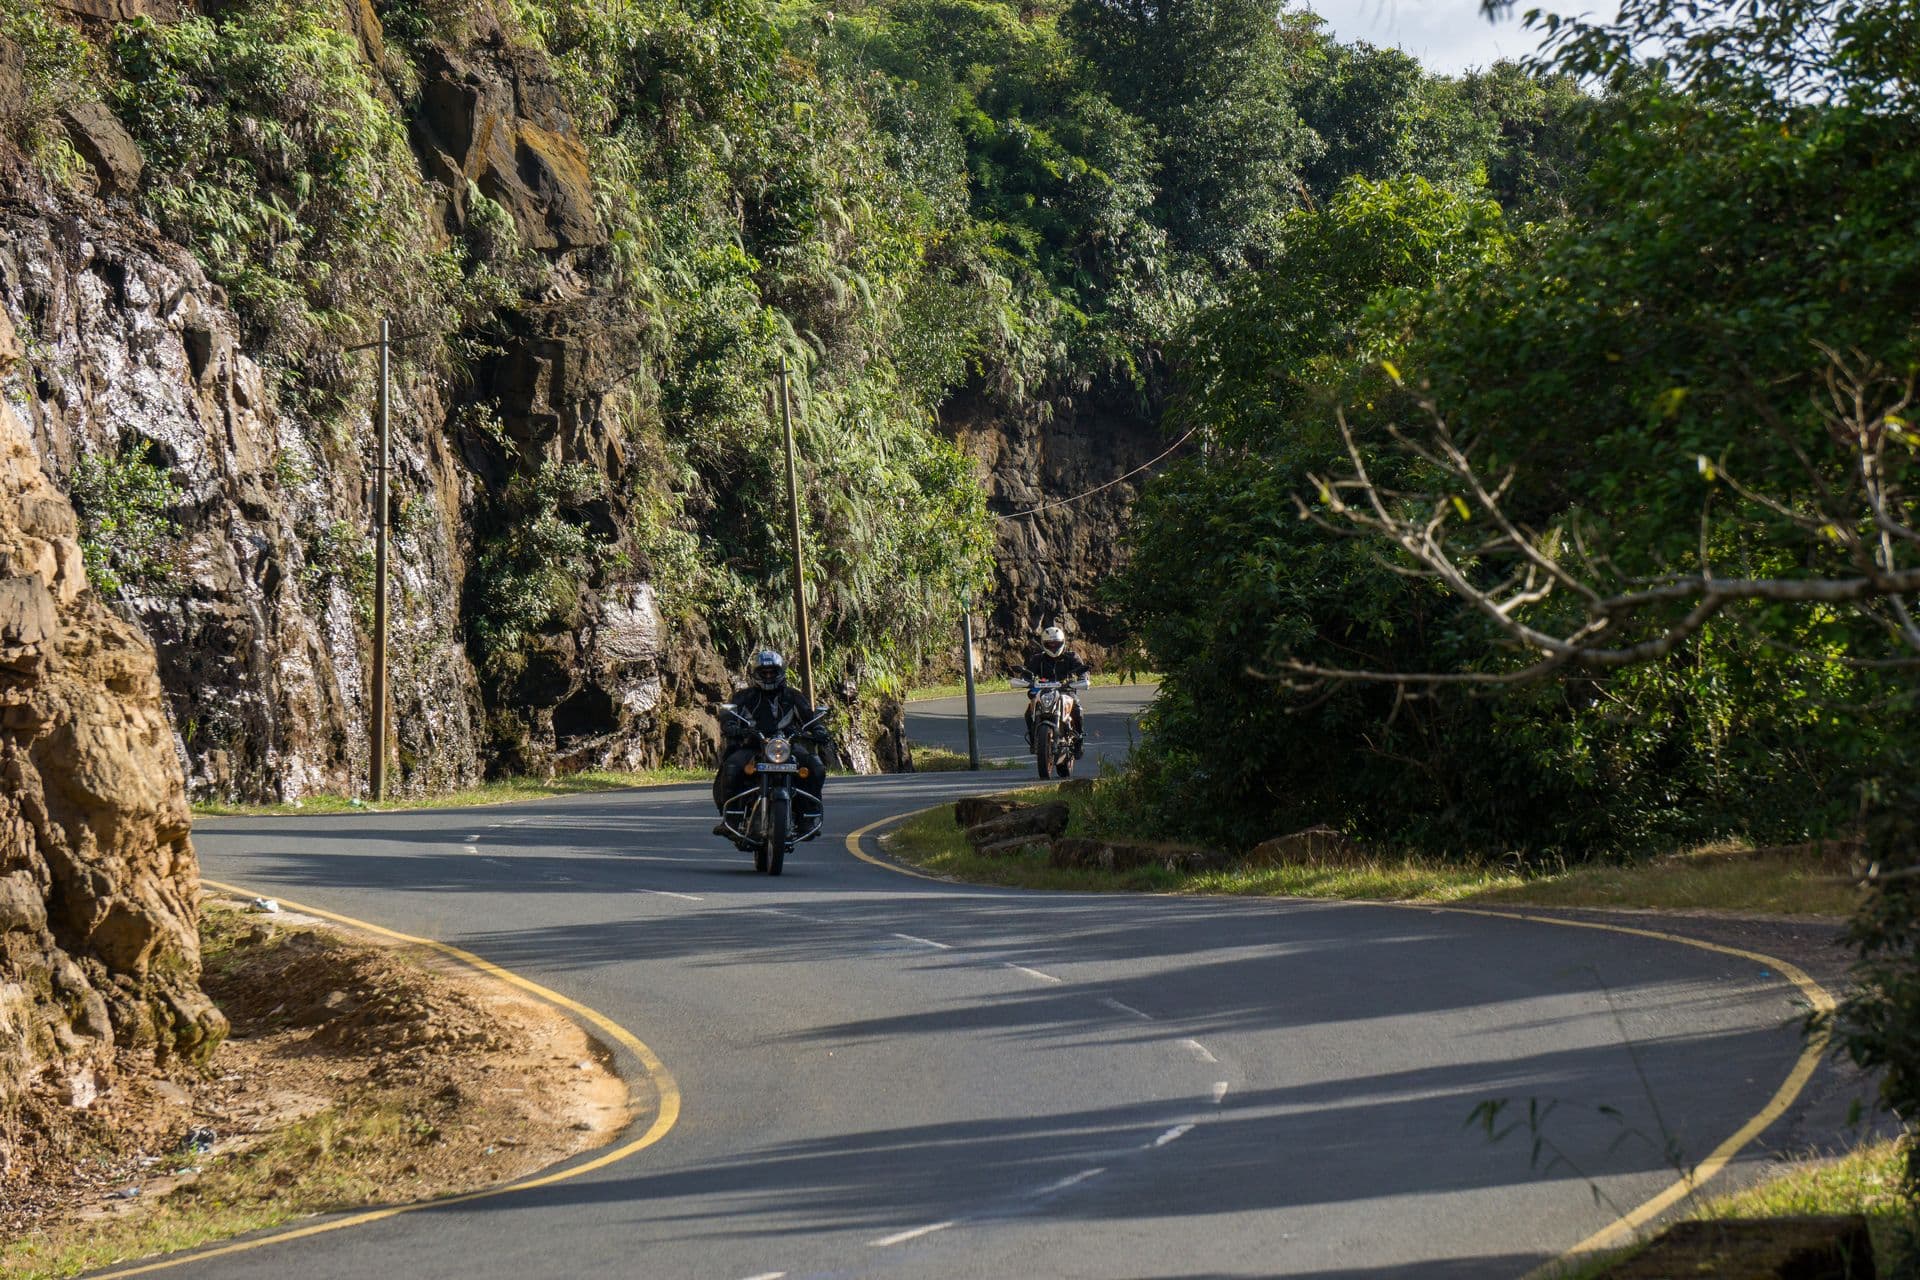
<point>775,709</point>
<point>1055,661</point>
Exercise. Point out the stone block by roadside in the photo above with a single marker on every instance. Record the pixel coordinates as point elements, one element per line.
<point>1126,855</point>
<point>1016,846</point>
<point>1029,822</point>
<point>971,811</point>
<point>1313,846</point>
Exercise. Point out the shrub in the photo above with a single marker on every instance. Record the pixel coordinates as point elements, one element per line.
<point>533,563</point>
<point>1878,1024</point>
<point>272,155</point>
<point>60,68</point>
<point>126,533</point>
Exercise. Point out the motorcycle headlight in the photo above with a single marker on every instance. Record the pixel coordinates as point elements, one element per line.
<point>779,751</point>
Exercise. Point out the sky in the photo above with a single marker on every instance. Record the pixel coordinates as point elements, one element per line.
<point>1446,35</point>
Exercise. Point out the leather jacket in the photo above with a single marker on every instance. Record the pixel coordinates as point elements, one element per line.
<point>773,711</point>
<point>1044,666</point>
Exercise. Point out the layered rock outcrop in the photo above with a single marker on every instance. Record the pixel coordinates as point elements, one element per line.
<point>257,613</point>
<point>260,612</point>
<point>1060,519</point>
<point>98,886</point>
<point>260,616</point>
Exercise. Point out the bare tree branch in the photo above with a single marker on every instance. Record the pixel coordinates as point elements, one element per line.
<point>1615,621</point>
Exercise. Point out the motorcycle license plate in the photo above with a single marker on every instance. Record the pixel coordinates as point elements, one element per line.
<point>779,768</point>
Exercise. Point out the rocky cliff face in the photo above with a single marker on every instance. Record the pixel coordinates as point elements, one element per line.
<point>257,614</point>
<point>1050,565</point>
<point>260,612</point>
<point>259,602</point>
<point>98,886</point>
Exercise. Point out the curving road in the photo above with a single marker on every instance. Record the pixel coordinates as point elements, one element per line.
<point>890,1076</point>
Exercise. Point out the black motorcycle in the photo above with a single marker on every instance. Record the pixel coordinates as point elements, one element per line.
<point>1053,723</point>
<point>761,817</point>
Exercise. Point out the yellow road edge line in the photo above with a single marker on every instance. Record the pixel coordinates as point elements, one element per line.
<point>855,837</point>
<point>666,1114</point>
<point>1718,1159</point>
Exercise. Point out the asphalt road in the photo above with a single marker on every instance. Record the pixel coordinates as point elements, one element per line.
<point>889,1076</point>
<point>1111,720</point>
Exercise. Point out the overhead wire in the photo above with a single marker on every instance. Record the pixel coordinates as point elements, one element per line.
<point>1069,501</point>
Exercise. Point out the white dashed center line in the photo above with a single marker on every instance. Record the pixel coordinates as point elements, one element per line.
<point>1177,1132</point>
<point>1220,1088</point>
<point>1074,1180</point>
<point>1033,973</point>
<point>1200,1049</point>
<point>1126,1008</point>
<point>903,1236</point>
<point>690,897</point>
<point>925,942</point>
<point>769,1275</point>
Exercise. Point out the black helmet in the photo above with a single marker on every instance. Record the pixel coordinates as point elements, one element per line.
<point>769,670</point>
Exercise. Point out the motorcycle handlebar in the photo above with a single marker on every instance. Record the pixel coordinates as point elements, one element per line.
<point>759,738</point>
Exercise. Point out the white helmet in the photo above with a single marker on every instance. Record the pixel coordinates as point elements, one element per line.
<point>1054,641</point>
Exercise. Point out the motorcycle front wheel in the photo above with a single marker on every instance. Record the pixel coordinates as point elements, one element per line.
<point>774,851</point>
<point>1043,747</point>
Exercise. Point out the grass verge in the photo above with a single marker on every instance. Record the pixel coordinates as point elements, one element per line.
<point>334,1160</point>
<point>500,791</point>
<point>1866,1180</point>
<point>356,1074</point>
<point>1713,879</point>
<point>984,684</point>
<point>941,760</point>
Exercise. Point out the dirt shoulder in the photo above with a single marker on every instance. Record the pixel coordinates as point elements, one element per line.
<point>357,1073</point>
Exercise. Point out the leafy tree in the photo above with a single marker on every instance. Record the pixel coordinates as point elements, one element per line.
<point>1540,152</point>
<point>1380,115</point>
<point>1210,79</point>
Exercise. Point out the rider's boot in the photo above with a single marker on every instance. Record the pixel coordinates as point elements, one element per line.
<point>1079,745</point>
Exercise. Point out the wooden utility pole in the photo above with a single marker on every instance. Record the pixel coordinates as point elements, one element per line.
<point>377,772</point>
<point>799,561</point>
<point>966,639</point>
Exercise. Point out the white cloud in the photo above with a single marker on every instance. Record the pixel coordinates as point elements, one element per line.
<point>1446,35</point>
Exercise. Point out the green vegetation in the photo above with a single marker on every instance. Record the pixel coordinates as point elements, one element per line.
<point>1555,528</point>
<point>59,65</point>
<point>1865,1180</point>
<point>941,760</point>
<point>534,561</point>
<point>126,531</point>
<point>1713,879</point>
<point>272,155</point>
<point>494,791</point>
<point>984,684</point>
<point>913,204</point>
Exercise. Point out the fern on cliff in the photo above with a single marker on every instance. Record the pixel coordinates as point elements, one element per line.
<point>274,156</point>
<point>757,211</point>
